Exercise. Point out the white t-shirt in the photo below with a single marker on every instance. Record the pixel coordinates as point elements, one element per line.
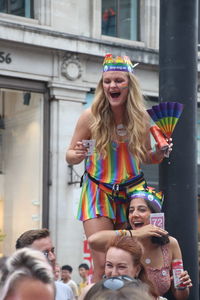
<point>74,288</point>
<point>63,291</point>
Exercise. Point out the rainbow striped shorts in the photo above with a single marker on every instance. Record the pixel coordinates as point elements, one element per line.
<point>105,200</point>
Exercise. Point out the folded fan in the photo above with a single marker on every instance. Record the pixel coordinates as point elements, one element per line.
<point>166,116</point>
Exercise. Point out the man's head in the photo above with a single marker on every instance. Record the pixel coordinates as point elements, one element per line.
<point>66,273</point>
<point>57,272</point>
<point>38,239</point>
<point>83,270</point>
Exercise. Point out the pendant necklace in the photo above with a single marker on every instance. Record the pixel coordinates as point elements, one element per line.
<point>147,260</point>
<point>121,130</point>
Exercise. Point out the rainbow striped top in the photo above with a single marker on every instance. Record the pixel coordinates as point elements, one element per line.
<point>118,166</point>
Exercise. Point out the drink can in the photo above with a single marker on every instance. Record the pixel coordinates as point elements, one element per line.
<point>159,137</point>
<point>177,269</point>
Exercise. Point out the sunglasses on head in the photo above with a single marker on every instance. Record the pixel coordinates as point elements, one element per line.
<point>117,282</point>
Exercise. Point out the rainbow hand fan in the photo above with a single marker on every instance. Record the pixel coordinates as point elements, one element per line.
<point>166,116</point>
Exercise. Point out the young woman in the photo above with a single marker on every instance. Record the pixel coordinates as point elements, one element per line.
<point>124,260</point>
<point>118,124</point>
<point>159,249</point>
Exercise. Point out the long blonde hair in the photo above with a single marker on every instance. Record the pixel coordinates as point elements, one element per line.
<point>137,120</point>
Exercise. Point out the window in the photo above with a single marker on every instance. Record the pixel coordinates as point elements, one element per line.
<point>24,148</point>
<point>23,8</point>
<point>120,18</point>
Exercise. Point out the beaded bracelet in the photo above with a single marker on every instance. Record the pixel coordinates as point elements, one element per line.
<point>121,232</point>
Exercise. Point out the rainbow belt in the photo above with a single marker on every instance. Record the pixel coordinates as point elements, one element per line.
<point>117,188</point>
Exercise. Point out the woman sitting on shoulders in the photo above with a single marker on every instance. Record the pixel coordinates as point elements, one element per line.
<point>160,250</point>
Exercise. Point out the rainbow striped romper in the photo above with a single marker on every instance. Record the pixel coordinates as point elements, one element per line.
<point>97,199</point>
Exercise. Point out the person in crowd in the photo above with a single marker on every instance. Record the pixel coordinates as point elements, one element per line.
<point>123,258</point>
<point>159,249</point>
<point>57,273</point>
<point>66,273</point>
<point>83,270</point>
<point>26,275</point>
<point>39,239</point>
<point>121,287</point>
<point>117,127</point>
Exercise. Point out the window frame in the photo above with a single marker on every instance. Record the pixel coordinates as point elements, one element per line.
<point>138,35</point>
<point>37,87</point>
<point>29,15</point>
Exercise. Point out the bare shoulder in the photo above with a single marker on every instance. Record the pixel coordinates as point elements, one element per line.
<point>173,241</point>
<point>85,121</point>
<point>87,114</point>
<point>175,248</point>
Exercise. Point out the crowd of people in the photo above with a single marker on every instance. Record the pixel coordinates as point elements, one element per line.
<point>33,265</point>
<point>132,258</point>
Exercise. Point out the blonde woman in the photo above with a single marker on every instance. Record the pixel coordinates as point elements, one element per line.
<point>118,124</point>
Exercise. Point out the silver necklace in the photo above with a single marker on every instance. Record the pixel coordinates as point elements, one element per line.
<point>147,260</point>
<point>121,130</point>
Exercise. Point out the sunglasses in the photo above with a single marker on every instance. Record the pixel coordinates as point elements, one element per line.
<point>116,283</point>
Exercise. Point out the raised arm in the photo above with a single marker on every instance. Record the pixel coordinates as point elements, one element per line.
<point>180,294</point>
<point>76,152</point>
<point>155,156</point>
<point>98,241</point>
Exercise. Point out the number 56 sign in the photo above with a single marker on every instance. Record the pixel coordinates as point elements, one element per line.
<point>5,57</point>
<point>158,219</point>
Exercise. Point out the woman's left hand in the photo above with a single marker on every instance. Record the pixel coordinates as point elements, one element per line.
<point>185,279</point>
<point>169,149</point>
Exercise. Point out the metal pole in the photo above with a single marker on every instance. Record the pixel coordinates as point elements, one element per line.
<point>178,82</point>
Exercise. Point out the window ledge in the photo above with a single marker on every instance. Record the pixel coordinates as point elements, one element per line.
<point>18,19</point>
<point>122,41</point>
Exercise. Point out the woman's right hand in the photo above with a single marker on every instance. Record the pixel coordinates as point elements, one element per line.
<point>80,150</point>
<point>77,154</point>
<point>148,231</point>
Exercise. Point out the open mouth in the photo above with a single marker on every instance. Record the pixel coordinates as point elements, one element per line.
<point>138,224</point>
<point>115,95</point>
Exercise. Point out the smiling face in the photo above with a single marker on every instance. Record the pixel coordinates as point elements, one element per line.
<point>115,85</point>
<point>120,262</point>
<point>139,213</point>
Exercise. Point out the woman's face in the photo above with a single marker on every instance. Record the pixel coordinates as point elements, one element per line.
<point>115,85</point>
<point>31,289</point>
<point>120,262</point>
<point>139,213</point>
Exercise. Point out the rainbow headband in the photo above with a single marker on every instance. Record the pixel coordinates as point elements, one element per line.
<point>118,64</point>
<point>151,195</point>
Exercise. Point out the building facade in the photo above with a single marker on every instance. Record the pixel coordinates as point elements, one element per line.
<point>51,55</point>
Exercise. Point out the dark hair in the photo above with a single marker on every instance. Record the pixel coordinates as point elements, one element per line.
<point>163,240</point>
<point>28,237</point>
<point>131,290</point>
<point>67,267</point>
<point>83,265</point>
